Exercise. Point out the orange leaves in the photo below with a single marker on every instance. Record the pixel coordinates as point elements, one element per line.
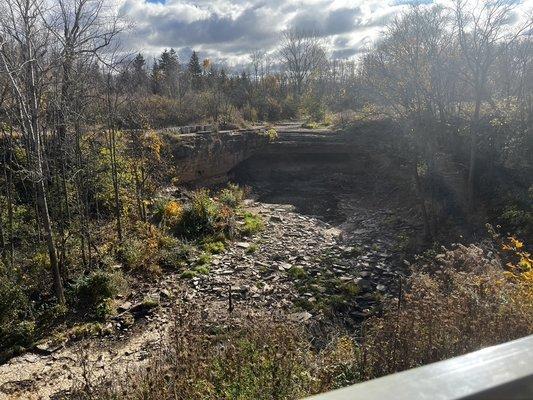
<point>173,209</point>
<point>173,212</point>
<point>521,260</point>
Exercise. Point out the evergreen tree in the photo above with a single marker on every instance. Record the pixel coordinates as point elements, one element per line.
<point>156,77</point>
<point>169,63</point>
<point>195,71</point>
<point>194,67</point>
<point>165,74</point>
<point>139,74</point>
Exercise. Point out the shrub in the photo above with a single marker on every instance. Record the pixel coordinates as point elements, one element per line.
<point>272,134</point>
<point>252,224</point>
<point>314,107</point>
<point>93,292</point>
<point>142,252</point>
<point>249,113</point>
<point>204,259</point>
<point>202,269</point>
<point>15,337</point>
<point>188,274</point>
<point>175,254</point>
<point>517,219</point>
<point>232,196</point>
<point>200,217</point>
<point>18,333</point>
<point>159,111</point>
<point>457,305</point>
<point>132,252</point>
<point>17,330</point>
<point>86,330</point>
<point>105,309</point>
<point>14,304</point>
<point>206,217</point>
<point>217,247</point>
<point>167,212</point>
<point>274,109</point>
<point>230,118</point>
<point>310,125</point>
<point>171,258</point>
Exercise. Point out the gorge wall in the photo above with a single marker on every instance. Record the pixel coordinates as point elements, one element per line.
<point>206,158</point>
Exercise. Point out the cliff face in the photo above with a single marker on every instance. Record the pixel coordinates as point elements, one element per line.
<point>206,158</point>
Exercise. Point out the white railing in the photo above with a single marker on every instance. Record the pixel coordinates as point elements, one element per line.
<point>503,372</point>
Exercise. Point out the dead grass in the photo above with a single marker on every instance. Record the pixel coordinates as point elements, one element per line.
<point>257,359</point>
<point>459,302</point>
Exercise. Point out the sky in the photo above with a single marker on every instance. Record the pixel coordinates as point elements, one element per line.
<point>228,31</point>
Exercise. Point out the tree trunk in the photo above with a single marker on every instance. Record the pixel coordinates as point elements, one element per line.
<point>42,203</point>
<point>473,154</point>
<point>3,250</point>
<point>114,173</point>
<point>425,216</point>
<point>34,133</point>
<point>49,237</point>
<point>10,253</point>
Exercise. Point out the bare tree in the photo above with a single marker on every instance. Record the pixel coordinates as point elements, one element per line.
<point>407,75</point>
<point>84,30</point>
<point>303,54</point>
<point>481,27</point>
<point>24,44</point>
<point>257,58</point>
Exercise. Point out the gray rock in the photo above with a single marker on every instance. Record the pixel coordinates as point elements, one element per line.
<point>300,316</point>
<point>364,284</point>
<point>124,306</point>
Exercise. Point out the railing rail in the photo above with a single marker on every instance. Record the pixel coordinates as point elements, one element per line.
<point>503,372</point>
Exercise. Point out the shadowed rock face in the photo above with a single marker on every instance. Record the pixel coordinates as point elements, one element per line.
<point>204,159</point>
<point>311,169</point>
<point>316,171</point>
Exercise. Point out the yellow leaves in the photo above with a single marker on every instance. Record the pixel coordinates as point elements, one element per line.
<point>152,143</point>
<point>173,210</point>
<point>520,270</point>
<point>513,245</point>
<point>525,263</point>
<point>520,267</point>
<point>516,243</point>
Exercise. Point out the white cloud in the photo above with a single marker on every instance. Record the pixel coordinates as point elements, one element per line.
<point>230,29</point>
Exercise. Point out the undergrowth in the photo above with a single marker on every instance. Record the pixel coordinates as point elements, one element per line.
<point>464,299</point>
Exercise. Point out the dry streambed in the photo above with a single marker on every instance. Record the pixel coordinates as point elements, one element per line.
<point>298,267</point>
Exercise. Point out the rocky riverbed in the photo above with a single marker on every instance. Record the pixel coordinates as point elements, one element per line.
<point>299,267</point>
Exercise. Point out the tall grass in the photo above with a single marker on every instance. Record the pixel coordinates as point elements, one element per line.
<point>459,302</point>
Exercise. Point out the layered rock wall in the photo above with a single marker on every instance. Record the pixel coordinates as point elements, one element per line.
<point>204,158</point>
